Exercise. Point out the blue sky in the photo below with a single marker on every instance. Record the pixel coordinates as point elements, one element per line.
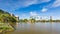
<point>27,8</point>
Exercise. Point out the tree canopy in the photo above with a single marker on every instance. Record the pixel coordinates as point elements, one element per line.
<point>6,17</point>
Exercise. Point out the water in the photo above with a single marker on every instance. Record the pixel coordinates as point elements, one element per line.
<point>36,28</point>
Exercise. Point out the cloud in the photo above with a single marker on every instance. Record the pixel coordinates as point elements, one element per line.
<point>44,9</point>
<point>30,2</point>
<point>9,5</point>
<point>16,15</point>
<point>33,13</point>
<point>56,3</point>
<point>15,4</point>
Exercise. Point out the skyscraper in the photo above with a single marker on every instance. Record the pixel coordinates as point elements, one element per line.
<point>50,17</point>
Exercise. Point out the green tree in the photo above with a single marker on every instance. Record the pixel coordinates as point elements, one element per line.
<point>32,20</point>
<point>25,20</point>
<point>6,17</point>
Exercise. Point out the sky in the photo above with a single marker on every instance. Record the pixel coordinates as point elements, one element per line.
<point>27,8</point>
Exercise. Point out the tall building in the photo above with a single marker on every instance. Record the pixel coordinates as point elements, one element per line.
<point>50,17</point>
<point>17,17</point>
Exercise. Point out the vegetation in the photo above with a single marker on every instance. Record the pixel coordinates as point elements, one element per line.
<point>5,27</point>
<point>33,20</point>
<point>5,17</point>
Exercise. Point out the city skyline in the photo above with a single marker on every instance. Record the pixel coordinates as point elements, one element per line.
<point>27,8</point>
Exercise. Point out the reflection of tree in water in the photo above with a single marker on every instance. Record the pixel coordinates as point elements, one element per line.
<point>13,25</point>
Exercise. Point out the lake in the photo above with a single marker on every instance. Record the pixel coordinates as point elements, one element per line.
<point>36,28</point>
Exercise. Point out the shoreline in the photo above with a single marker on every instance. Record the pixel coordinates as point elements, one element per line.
<point>5,28</point>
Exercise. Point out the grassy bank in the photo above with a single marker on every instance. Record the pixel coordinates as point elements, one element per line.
<point>5,27</point>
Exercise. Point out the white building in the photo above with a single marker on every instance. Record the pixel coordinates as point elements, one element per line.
<point>17,17</point>
<point>40,17</point>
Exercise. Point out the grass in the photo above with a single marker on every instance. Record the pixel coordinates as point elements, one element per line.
<point>5,27</point>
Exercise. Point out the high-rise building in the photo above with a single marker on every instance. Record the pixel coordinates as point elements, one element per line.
<point>17,17</point>
<point>50,17</point>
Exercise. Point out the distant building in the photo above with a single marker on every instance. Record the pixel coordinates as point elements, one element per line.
<point>11,14</point>
<point>50,17</point>
<point>17,17</point>
<point>41,17</point>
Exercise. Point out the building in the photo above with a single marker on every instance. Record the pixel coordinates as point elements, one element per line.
<point>11,14</point>
<point>40,17</point>
<point>50,17</point>
<point>17,17</point>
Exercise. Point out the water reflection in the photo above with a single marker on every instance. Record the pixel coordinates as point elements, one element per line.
<point>37,28</point>
<point>13,25</point>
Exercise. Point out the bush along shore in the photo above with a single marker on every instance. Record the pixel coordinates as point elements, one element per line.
<point>5,20</point>
<point>5,27</point>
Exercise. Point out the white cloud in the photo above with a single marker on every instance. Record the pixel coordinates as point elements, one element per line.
<point>56,3</point>
<point>16,15</point>
<point>45,0</point>
<point>33,14</point>
<point>44,9</point>
<point>30,2</point>
<point>11,5</point>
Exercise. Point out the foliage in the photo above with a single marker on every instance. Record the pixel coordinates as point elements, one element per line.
<point>32,20</point>
<point>25,20</point>
<point>6,17</point>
